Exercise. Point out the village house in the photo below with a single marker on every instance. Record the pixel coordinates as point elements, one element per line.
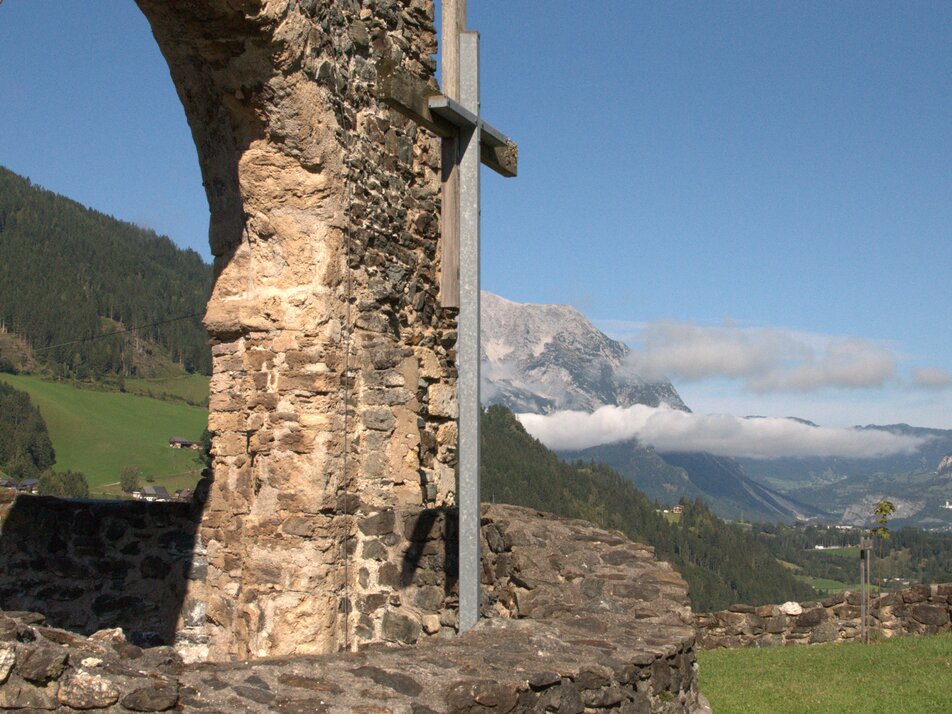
<point>179,443</point>
<point>28,485</point>
<point>152,493</point>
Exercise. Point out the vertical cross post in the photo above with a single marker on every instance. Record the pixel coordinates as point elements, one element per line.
<point>862,591</point>
<point>468,141</point>
<point>454,22</point>
<point>468,326</point>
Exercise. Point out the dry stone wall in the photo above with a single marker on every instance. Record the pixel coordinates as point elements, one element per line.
<point>333,387</point>
<point>92,565</point>
<point>918,610</point>
<point>581,619</point>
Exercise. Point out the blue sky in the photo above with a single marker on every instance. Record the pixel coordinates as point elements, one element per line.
<point>713,179</point>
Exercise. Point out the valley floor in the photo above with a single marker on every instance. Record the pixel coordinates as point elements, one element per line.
<point>100,432</point>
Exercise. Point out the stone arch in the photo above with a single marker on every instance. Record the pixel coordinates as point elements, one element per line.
<point>333,396</point>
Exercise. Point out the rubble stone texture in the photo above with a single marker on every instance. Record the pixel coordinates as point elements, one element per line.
<point>92,565</point>
<point>580,619</point>
<point>916,610</point>
<point>332,395</point>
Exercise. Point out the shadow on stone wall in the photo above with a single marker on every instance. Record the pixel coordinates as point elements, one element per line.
<point>93,565</point>
<point>433,545</point>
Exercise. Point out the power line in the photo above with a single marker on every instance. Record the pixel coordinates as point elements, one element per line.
<point>117,332</point>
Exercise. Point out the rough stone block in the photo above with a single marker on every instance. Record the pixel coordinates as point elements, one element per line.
<point>7,659</point>
<point>442,401</point>
<point>41,664</point>
<point>429,598</point>
<point>19,694</point>
<point>380,523</point>
<point>933,615</point>
<point>87,691</point>
<point>399,627</point>
<point>825,632</point>
<point>812,617</point>
<point>152,698</point>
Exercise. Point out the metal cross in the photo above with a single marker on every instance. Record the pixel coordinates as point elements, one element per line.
<point>468,140</point>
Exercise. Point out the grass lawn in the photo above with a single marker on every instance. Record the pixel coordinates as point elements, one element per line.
<point>850,553</point>
<point>901,674</point>
<point>99,433</point>
<point>189,388</point>
<point>826,584</point>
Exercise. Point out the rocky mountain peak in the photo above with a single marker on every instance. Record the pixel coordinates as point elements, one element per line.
<point>945,465</point>
<point>544,358</point>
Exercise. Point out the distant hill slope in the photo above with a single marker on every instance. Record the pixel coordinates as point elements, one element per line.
<point>919,483</point>
<point>25,447</point>
<point>937,443</point>
<point>68,273</point>
<point>945,465</point>
<point>722,564</point>
<point>99,432</point>
<point>719,480</point>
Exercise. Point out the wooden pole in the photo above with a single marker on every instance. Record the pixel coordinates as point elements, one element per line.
<point>454,22</point>
<point>862,592</point>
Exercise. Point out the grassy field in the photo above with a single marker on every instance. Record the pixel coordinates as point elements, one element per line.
<point>827,585</point>
<point>907,674</point>
<point>189,388</point>
<point>848,553</point>
<point>99,433</point>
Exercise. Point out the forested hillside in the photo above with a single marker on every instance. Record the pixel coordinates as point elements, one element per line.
<point>25,446</point>
<point>722,564</point>
<point>69,273</point>
<point>909,555</point>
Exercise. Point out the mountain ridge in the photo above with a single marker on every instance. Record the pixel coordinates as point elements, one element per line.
<point>544,358</point>
<point>531,369</point>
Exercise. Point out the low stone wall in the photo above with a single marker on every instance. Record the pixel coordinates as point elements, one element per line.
<point>583,620</point>
<point>91,565</point>
<point>918,610</point>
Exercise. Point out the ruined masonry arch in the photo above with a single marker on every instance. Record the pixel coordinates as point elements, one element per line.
<point>333,388</point>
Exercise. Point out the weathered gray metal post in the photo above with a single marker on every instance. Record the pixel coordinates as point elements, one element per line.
<point>468,325</point>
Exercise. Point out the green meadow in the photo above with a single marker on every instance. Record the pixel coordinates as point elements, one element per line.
<point>826,584</point>
<point>189,388</point>
<point>100,432</point>
<point>901,674</point>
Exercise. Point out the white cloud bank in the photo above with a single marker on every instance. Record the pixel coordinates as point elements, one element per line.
<point>671,430</point>
<point>766,359</point>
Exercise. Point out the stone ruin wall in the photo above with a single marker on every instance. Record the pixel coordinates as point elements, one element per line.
<point>333,387</point>
<point>92,565</point>
<point>578,619</point>
<point>917,610</point>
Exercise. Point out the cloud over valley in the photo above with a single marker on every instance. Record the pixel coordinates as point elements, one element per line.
<point>669,429</point>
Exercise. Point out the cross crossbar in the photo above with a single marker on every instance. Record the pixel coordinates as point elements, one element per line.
<point>414,99</point>
<point>458,115</point>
